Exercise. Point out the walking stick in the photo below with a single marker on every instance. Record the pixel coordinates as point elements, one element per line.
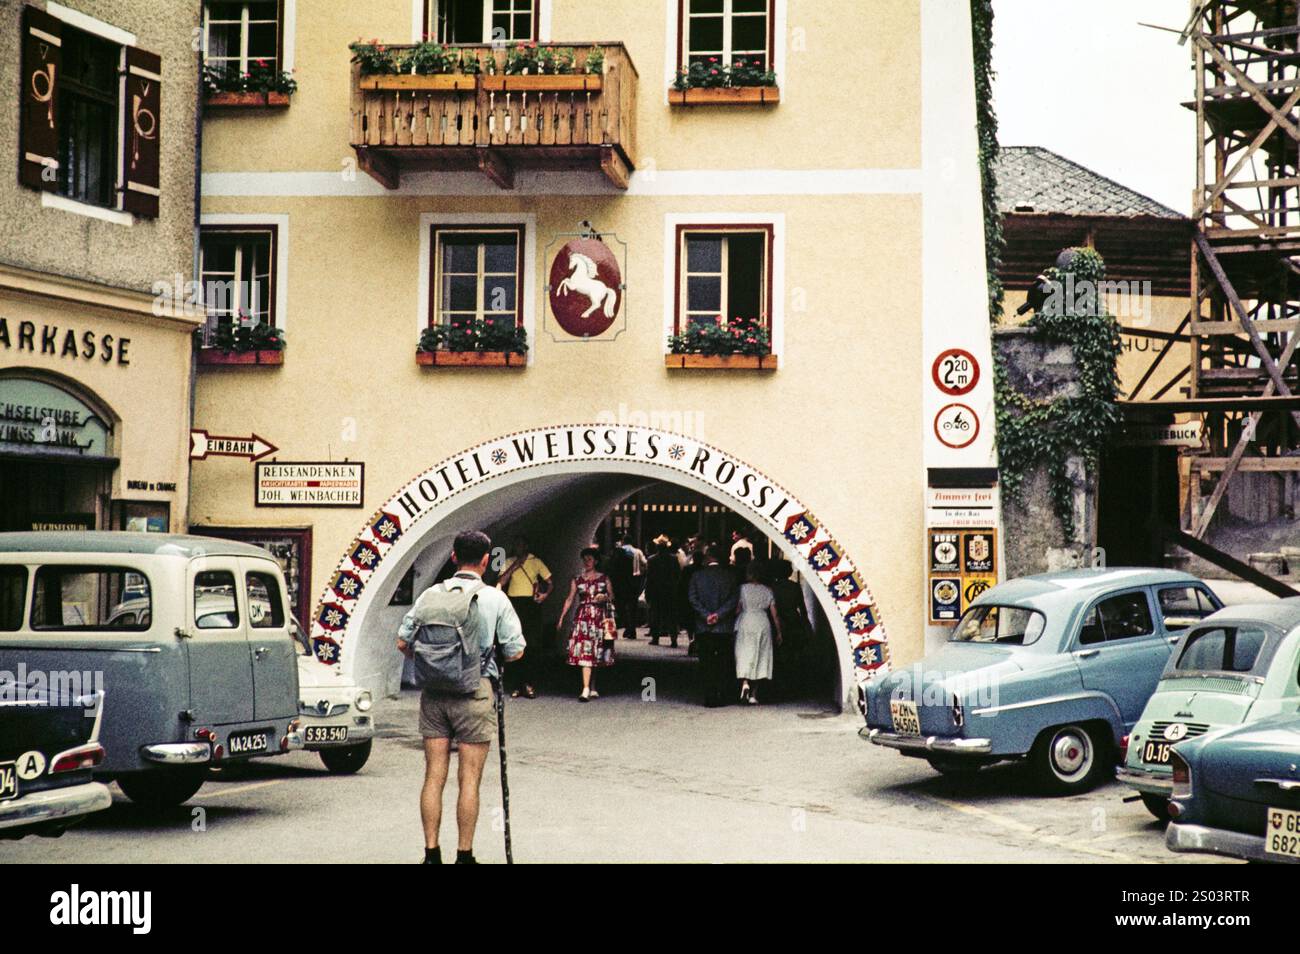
<point>501,747</point>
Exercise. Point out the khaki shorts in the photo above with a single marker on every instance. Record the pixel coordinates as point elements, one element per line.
<point>469,719</point>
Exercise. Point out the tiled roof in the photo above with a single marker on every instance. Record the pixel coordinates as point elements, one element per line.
<point>1034,179</point>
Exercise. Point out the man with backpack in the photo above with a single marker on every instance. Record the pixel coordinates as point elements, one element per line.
<point>450,635</point>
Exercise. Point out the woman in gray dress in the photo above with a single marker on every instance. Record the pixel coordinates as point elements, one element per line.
<point>757,629</point>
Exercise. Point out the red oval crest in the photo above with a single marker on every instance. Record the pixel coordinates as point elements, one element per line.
<point>586,285</point>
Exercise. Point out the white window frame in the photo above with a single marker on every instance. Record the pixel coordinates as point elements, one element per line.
<point>777,10</point>
<point>468,220</point>
<point>541,20</point>
<point>481,274</point>
<point>280,275</point>
<point>724,315</point>
<point>285,31</point>
<point>728,16</point>
<point>705,221</point>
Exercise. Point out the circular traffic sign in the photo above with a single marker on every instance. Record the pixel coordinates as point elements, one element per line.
<point>955,372</point>
<point>956,426</point>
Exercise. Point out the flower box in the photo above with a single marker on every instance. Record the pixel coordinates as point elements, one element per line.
<point>725,96</point>
<point>729,362</point>
<point>470,359</point>
<point>245,100</point>
<point>548,83</point>
<point>431,82</point>
<point>214,357</point>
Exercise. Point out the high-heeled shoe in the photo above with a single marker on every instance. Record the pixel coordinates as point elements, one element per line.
<point>746,695</point>
<point>584,696</point>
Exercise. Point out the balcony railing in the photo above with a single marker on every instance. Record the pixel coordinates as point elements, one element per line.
<point>496,122</point>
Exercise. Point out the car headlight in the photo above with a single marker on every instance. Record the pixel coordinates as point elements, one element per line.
<point>364,700</point>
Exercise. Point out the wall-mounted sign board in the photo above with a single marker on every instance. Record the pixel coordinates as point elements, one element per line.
<point>308,484</point>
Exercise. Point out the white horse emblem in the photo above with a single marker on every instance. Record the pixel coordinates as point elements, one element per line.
<point>582,280</point>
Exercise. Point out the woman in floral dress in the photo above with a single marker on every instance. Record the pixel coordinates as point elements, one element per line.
<point>591,642</point>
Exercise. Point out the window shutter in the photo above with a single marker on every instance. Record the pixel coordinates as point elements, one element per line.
<point>141,112</point>
<point>42,65</point>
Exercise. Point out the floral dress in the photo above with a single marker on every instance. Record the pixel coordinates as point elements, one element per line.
<point>587,642</point>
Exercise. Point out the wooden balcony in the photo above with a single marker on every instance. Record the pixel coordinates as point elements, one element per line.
<point>497,123</point>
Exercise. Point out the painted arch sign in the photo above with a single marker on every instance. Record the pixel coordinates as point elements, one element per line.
<point>439,491</point>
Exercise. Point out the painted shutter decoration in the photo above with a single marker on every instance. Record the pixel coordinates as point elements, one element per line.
<point>42,65</point>
<point>141,109</point>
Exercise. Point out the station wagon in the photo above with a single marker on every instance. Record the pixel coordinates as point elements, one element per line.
<point>1054,668</point>
<point>1237,666</point>
<point>188,637</point>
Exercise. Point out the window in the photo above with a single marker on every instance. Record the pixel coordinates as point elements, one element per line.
<point>237,34</point>
<point>215,605</point>
<point>1223,649</point>
<point>1126,616</point>
<point>237,265</point>
<point>481,21</point>
<point>726,30</point>
<point>478,276</point>
<point>725,275</point>
<point>265,607</point>
<point>1181,606</point>
<point>87,97</point>
<point>91,598</point>
<point>13,597</point>
<point>1011,625</point>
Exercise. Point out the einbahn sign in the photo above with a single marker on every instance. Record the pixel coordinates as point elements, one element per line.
<point>204,445</point>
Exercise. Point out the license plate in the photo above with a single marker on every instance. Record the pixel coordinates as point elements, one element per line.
<point>326,733</point>
<point>248,743</point>
<point>906,721</point>
<point>1157,753</point>
<point>8,781</point>
<point>1282,836</point>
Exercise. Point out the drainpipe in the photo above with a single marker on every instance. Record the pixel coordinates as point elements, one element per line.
<point>194,263</point>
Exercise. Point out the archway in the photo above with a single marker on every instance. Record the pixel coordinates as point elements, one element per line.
<point>535,462</point>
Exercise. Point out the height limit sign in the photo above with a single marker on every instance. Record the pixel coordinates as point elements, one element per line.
<point>955,372</point>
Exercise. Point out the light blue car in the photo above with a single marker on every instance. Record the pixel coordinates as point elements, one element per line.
<point>1054,668</point>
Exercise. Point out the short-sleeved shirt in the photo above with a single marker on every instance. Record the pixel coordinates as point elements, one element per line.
<point>498,623</point>
<point>521,581</point>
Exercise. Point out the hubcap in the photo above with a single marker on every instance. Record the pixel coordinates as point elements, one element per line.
<point>1071,754</point>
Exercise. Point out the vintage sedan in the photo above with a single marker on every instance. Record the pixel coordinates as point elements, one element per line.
<point>189,634</point>
<point>49,747</point>
<point>334,712</point>
<point>1054,668</point>
<point>1236,666</point>
<point>1236,792</point>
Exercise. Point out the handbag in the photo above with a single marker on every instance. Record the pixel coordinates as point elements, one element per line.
<point>609,628</point>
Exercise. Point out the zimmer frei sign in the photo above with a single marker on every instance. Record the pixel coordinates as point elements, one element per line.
<point>437,493</point>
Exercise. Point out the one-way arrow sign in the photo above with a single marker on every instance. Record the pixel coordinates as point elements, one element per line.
<point>204,445</point>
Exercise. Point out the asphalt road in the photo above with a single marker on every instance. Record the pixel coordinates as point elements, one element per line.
<point>634,776</point>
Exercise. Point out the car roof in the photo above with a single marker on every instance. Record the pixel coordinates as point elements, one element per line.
<point>1081,584</point>
<point>113,541</point>
<point>1284,614</point>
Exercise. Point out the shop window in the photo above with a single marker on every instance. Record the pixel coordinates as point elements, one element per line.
<point>481,21</point>
<point>238,35</point>
<point>237,267</point>
<point>265,607</point>
<point>726,31</point>
<point>90,598</point>
<point>215,603</point>
<point>478,279</point>
<point>724,276</point>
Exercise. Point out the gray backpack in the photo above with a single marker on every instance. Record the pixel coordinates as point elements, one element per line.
<point>446,648</point>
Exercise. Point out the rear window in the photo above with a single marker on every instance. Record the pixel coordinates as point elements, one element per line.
<point>1009,625</point>
<point>1222,649</point>
<point>13,597</point>
<point>1183,606</point>
<point>91,598</point>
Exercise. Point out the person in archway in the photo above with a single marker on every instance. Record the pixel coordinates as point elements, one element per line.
<point>714,597</point>
<point>620,565</point>
<point>527,581</point>
<point>740,541</point>
<point>795,626</point>
<point>758,630</point>
<point>661,574</point>
<point>468,720</point>
<point>591,640</point>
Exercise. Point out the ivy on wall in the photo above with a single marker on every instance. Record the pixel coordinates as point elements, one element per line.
<point>1049,433</point>
<point>981,18</point>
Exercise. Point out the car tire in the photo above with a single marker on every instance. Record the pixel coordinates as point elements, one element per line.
<point>159,789</point>
<point>1069,759</point>
<point>1157,805</point>
<point>954,767</point>
<point>346,759</point>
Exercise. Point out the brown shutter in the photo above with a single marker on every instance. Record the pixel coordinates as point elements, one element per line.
<point>38,152</point>
<point>141,122</point>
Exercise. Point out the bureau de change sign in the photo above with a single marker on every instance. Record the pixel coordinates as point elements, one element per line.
<point>289,484</point>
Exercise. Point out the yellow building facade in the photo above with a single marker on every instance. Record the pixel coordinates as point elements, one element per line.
<point>835,209</point>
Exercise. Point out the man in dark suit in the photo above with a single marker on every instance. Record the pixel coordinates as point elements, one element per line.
<point>713,595</point>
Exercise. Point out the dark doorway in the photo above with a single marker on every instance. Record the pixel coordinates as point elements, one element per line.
<point>1137,499</point>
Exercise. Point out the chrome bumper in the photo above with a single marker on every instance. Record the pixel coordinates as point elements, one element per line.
<point>927,743</point>
<point>51,804</point>
<point>177,753</point>
<point>1145,780</point>
<point>1218,841</point>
